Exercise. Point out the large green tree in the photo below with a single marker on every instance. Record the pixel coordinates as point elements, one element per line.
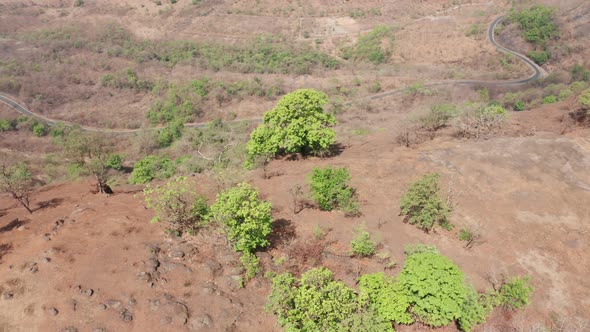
<point>297,124</point>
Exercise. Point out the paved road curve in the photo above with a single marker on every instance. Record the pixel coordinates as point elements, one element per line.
<point>537,73</point>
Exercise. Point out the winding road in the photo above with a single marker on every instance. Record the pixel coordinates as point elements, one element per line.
<point>537,73</point>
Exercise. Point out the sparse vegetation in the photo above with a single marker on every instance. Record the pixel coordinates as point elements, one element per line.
<point>477,121</point>
<point>536,23</point>
<point>422,205</point>
<point>330,190</point>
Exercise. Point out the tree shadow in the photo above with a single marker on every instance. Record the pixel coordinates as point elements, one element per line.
<point>5,248</point>
<point>52,203</point>
<point>283,231</point>
<point>16,223</point>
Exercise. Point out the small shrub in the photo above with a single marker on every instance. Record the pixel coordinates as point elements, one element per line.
<point>519,106</point>
<point>549,99</point>
<point>584,100</point>
<point>540,57</point>
<point>515,293</point>
<point>78,3</point>
<point>7,125</point>
<point>246,218</point>
<point>115,161</point>
<point>39,129</point>
<point>579,73</point>
<point>475,309</point>
<point>362,245</point>
<point>315,303</point>
<point>330,190</point>
<point>422,205</point>
<point>565,94</point>
<point>251,263</point>
<point>579,86</point>
<point>176,203</point>
<point>151,167</point>
<point>438,117</point>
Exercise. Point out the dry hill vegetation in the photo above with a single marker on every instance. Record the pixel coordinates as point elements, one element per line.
<point>205,165</point>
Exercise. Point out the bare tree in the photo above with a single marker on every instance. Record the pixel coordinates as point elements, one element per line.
<point>18,182</point>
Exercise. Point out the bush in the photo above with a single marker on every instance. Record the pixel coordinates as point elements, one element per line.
<point>369,46</point>
<point>438,117</point>
<point>251,263</point>
<point>539,57</point>
<point>330,190</point>
<point>519,106</point>
<point>247,218</point>
<point>151,167</point>
<point>481,120</point>
<point>565,94</point>
<point>7,125</point>
<point>422,205</point>
<point>297,124</point>
<point>475,309</point>
<point>362,245</point>
<point>549,99</point>
<point>114,161</point>
<point>315,303</point>
<point>39,129</point>
<point>515,293</point>
<point>178,204</point>
<point>435,288</point>
<point>536,24</point>
<point>584,99</point>
<point>578,87</point>
<point>579,73</point>
<point>170,133</point>
<point>385,297</point>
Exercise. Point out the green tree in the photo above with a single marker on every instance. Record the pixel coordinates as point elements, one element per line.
<point>386,297</point>
<point>315,303</point>
<point>422,205</point>
<point>297,124</point>
<point>176,203</point>
<point>151,167</point>
<point>246,218</point>
<point>17,181</point>
<point>435,288</point>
